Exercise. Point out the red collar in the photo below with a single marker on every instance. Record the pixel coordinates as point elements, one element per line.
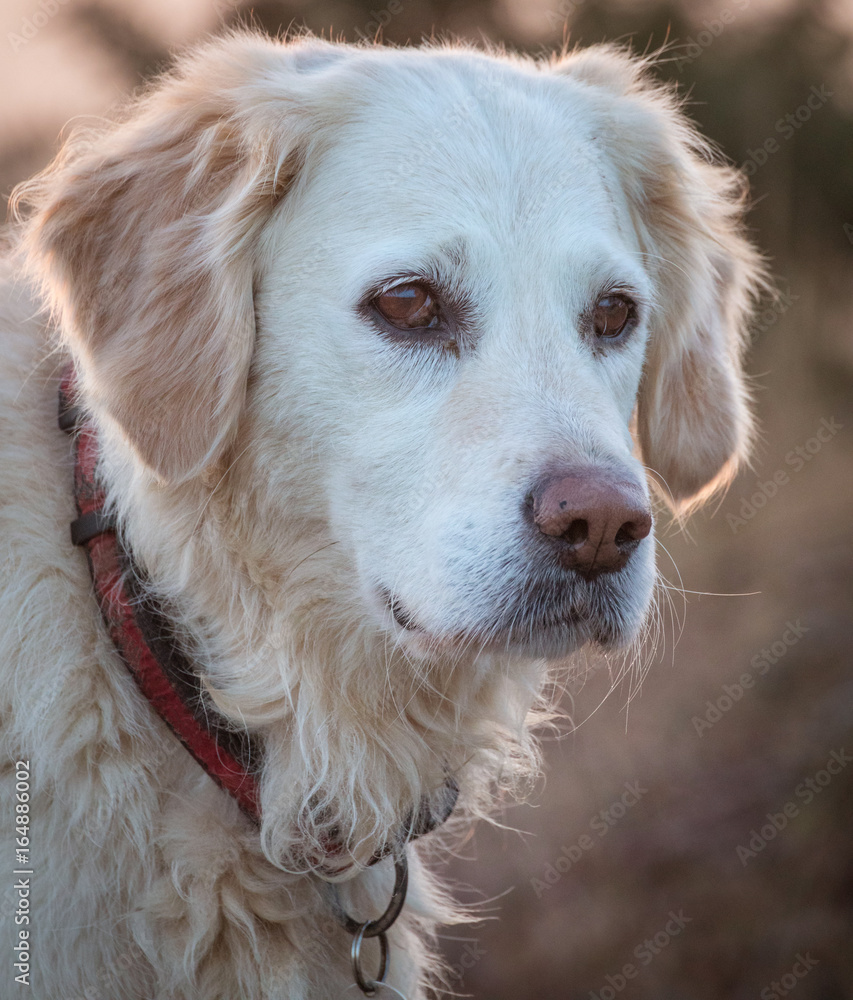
<point>144,638</point>
<point>141,632</point>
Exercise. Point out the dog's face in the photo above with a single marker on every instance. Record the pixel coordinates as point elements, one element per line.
<point>466,295</point>
<point>459,283</point>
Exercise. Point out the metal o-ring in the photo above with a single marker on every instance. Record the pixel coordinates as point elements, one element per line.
<point>368,986</point>
<point>373,928</point>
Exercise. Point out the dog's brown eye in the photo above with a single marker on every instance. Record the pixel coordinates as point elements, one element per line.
<point>611,316</point>
<point>408,307</point>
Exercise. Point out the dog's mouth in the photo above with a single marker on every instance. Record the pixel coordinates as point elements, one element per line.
<point>400,614</point>
<point>554,630</point>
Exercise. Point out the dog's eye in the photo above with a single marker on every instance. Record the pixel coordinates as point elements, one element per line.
<point>408,307</point>
<point>611,315</point>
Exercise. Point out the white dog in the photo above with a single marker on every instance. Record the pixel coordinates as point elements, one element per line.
<point>367,344</point>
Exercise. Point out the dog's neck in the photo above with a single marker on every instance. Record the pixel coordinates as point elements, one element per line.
<point>356,736</point>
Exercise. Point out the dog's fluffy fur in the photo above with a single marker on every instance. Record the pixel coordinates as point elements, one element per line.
<point>280,466</point>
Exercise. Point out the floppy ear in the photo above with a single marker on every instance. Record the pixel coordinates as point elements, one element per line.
<point>693,415</point>
<point>143,236</point>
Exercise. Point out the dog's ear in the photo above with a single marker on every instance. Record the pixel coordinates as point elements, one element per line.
<point>693,416</point>
<point>143,236</point>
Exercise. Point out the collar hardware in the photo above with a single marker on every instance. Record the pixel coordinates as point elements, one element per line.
<point>374,928</point>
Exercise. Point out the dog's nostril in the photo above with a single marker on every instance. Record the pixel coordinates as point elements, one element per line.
<point>577,532</point>
<point>634,531</point>
<point>622,538</point>
<point>625,535</point>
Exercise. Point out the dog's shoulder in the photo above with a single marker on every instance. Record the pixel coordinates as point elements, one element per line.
<point>49,630</point>
<point>33,453</point>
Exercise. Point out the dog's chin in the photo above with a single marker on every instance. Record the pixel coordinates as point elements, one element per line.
<point>551,635</point>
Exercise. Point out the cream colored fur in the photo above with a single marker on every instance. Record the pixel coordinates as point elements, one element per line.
<point>277,465</point>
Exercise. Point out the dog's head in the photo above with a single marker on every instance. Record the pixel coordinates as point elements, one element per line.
<point>425,318</point>
<point>450,281</point>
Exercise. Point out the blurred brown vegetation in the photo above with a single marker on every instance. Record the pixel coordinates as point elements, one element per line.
<point>576,905</point>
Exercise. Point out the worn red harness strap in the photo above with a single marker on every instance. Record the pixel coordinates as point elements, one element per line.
<point>145,640</point>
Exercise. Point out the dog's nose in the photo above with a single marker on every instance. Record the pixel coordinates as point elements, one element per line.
<point>595,517</point>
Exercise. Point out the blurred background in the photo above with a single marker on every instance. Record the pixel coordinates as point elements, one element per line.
<point>696,840</point>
